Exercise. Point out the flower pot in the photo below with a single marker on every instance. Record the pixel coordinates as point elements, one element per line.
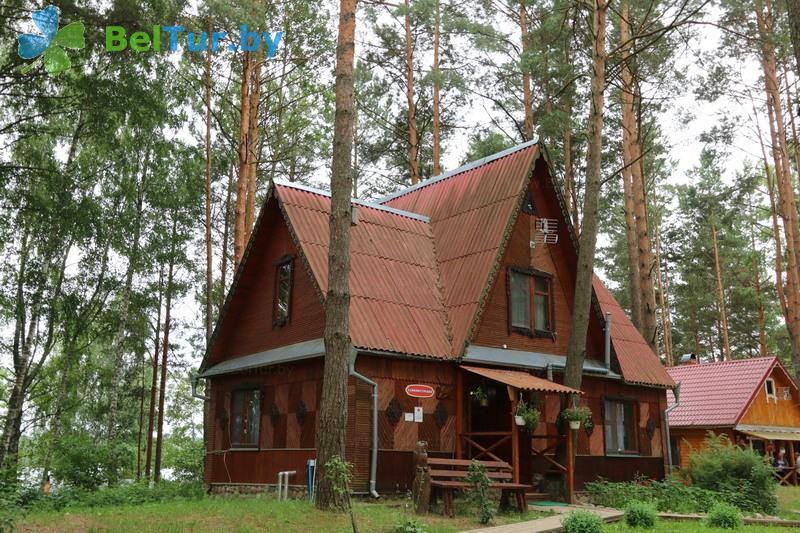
<point>574,424</point>
<point>519,420</point>
<point>485,402</point>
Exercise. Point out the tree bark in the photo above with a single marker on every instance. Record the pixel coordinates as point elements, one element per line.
<point>628,139</point>
<point>239,226</point>
<point>333,403</point>
<point>154,379</point>
<point>165,353</point>
<point>723,314</point>
<point>793,8</point>
<point>209,200</point>
<point>437,135</point>
<point>413,146</point>
<point>225,241</point>
<point>252,150</point>
<point>663,289</point>
<point>527,92</point>
<point>587,242</point>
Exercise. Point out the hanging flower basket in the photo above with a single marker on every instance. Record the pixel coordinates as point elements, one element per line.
<point>527,416</point>
<point>479,395</point>
<point>520,421</point>
<point>576,416</point>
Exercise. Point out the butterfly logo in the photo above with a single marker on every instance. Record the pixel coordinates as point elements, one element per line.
<point>48,46</point>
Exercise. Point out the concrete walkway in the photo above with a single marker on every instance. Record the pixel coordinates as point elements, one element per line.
<point>550,524</point>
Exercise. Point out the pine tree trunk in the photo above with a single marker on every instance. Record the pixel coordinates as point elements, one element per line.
<point>581,309</point>
<point>165,353</point>
<point>788,206</point>
<point>437,135</point>
<point>723,314</point>
<point>793,8</point>
<point>763,349</point>
<point>151,418</point>
<point>209,243</point>
<point>666,321</point>
<point>413,147</point>
<point>239,226</point>
<point>252,150</point>
<point>527,92</point>
<point>225,241</point>
<point>628,138</point>
<point>333,403</point>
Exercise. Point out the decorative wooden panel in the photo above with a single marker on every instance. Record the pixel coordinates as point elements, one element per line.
<point>780,412</point>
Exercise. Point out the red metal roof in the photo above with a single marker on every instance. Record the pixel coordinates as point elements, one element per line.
<point>470,212</point>
<point>716,394</point>
<point>396,303</point>
<point>637,361</point>
<point>521,380</point>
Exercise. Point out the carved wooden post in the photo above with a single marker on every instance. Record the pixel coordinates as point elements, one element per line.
<point>421,490</point>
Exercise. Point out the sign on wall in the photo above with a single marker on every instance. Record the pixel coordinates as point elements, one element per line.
<point>420,391</point>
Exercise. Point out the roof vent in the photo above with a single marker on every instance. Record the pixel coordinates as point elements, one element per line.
<point>689,359</point>
<point>354,215</point>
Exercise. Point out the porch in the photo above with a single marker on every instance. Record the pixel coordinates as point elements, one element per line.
<point>780,444</point>
<point>487,400</point>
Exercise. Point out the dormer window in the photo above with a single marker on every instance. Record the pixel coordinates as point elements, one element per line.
<point>769,388</point>
<point>530,302</point>
<point>527,204</point>
<point>282,296</point>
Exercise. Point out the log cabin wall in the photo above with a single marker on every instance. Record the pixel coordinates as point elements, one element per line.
<point>781,411</point>
<point>248,326</point>
<point>690,440</point>
<point>554,259</point>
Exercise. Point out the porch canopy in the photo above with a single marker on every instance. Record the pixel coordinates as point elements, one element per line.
<point>521,380</point>
<point>770,432</point>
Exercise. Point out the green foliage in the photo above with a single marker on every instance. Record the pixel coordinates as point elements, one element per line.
<point>724,516</point>
<point>529,414</point>
<point>81,461</point>
<point>409,525</point>
<point>640,514</point>
<point>740,473</point>
<point>340,473</point>
<point>582,522</point>
<point>479,493</point>
<point>576,414</point>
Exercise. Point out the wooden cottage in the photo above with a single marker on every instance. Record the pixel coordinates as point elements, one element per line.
<point>754,402</point>
<point>462,288</point>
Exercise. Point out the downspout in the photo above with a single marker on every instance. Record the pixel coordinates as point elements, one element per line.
<point>373,466</point>
<point>607,347</point>
<point>676,392</point>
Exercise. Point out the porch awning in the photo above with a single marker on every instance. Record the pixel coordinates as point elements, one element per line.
<point>520,380</point>
<point>770,432</point>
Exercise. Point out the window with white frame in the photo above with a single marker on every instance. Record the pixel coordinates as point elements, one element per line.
<point>769,388</point>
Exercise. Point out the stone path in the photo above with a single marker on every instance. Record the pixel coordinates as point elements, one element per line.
<point>550,524</point>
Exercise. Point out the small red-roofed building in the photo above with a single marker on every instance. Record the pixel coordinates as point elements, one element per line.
<point>461,295</point>
<point>754,402</point>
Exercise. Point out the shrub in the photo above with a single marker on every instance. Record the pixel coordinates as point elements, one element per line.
<point>640,514</point>
<point>582,522</point>
<point>479,493</point>
<point>409,526</point>
<point>724,516</point>
<point>741,476</point>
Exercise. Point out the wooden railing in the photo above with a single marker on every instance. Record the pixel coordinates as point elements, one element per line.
<point>484,449</point>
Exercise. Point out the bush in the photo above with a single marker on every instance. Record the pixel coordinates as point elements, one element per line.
<point>640,514</point>
<point>741,476</point>
<point>479,493</point>
<point>724,516</point>
<point>582,522</point>
<point>409,526</point>
<point>667,495</point>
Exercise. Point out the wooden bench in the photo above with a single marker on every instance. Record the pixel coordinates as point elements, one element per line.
<point>442,477</point>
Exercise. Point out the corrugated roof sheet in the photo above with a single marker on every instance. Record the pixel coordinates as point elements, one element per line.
<point>469,212</point>
<point>716,394</point>
<point>521,380</point>
<point>637,361</point>
<point>396,303</point>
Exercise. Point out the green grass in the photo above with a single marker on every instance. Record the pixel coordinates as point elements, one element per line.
<point>246,514</point>
<point>677,526</point>
<point>789,502</point>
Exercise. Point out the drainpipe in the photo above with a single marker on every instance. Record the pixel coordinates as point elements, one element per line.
<point>677,393</point>
<point>373,466</point>
<point>607,347</point>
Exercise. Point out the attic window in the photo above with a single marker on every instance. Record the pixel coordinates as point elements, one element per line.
<point>769,388</point>
<point>282,296</point>
<point>527,204</point>
<point>530,302</point>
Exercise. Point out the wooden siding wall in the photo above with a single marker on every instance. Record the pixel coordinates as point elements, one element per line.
<point>284,442</point>
<point>780,412</point>
<point>690,440</point>
<point>556,259</point>
<point>247,327</point>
